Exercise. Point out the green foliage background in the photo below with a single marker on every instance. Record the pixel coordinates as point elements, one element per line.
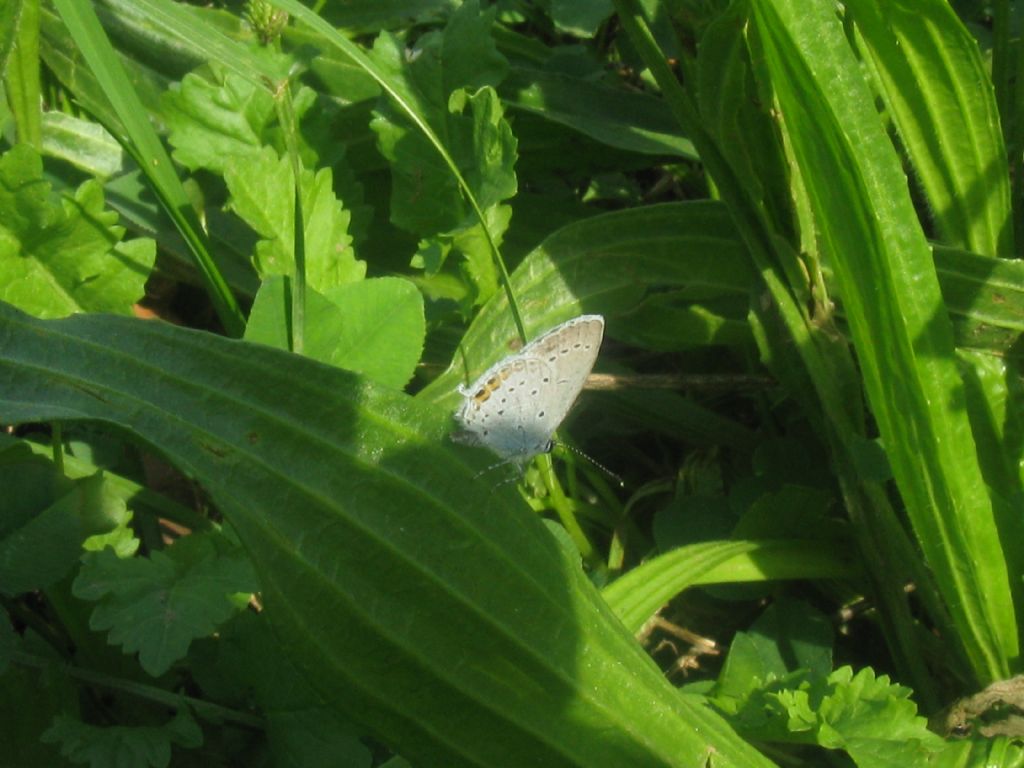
<point>246,535</point>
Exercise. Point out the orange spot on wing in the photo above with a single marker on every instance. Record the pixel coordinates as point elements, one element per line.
<point>491,386</point>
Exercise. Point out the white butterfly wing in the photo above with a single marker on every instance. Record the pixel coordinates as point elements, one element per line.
<point>497,411</point>
<point>569,351</point>
<point>516,405</point>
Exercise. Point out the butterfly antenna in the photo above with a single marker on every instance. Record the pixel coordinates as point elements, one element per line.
<point>515,477</point>
<point>595,462</point>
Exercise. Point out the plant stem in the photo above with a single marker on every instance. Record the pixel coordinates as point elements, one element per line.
<point>213,712</point>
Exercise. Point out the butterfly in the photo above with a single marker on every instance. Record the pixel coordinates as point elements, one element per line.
<point>514,408</point>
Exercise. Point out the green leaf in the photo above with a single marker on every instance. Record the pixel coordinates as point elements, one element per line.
<point>937,88</point>
<point>9,16</point>
<point>1000,752</point>
<point>32,698</point>
<point>211,124</point>
<point>67,64</point>
<point>789,637</point>
<point>608,264</point>
<point>21,72</point>
<point>188,36</point>
<point>314,738</point>
<point>375,327</point>
<point>795,511</point>
<point>450,78</point>
<point>731,103</point>
<point>100,747</point>
<point>410,109</point>
<point>867,716</point>
<point>122,489</point>
<point>62,257</point>
<point>46,521</point>
<point>579,17</point>
<point>130,122</point>
<point>461,56</point>
<point>792,635</point>
<point>690,518</point>
<point>985,298</point>
<point>263,193</point>
<point>671,321</point>
<point>83,143</point>
<point>477,268</point>
<point>246,663</point>
<point>381,557</point>
<point>889,291</point>
<point>638,594</point>
<point>425,198</point>
<point>625,119</point>
<point>873,719</point>
<point>121,538</point>
<point>157,606</point>
<point>128,195</point>
<point>8,641</point>
<point>229,119</point>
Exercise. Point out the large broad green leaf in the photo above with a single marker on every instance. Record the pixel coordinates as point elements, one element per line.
<point>606,263</point>
<point>429,605</point>
<point>890,295</point>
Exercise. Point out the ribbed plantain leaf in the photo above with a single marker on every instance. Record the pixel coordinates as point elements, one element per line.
<point>891,298</point>
<point>421,600</point>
